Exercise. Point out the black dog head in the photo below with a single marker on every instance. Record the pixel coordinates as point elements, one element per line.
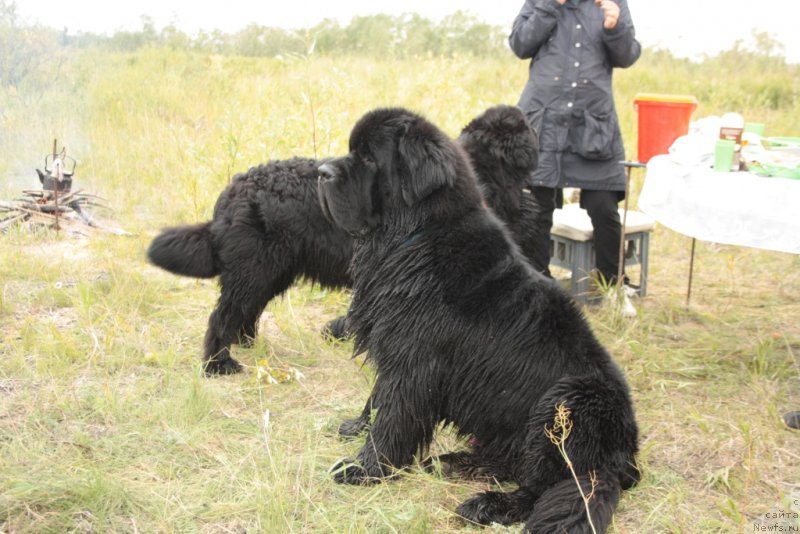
<point>504,151</point>
<point>397,159</point>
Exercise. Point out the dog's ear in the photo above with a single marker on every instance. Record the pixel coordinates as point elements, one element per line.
<point>427,160</point>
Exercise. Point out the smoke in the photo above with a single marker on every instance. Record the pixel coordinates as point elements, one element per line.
<point>28,139</point>
<point>19,158</point>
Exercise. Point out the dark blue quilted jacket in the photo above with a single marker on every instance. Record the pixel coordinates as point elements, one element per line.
<point>568,98</point>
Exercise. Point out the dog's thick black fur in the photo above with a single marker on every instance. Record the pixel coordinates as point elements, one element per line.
<point>268,230</point>
<point>462,331</point>
<point>504,153</point>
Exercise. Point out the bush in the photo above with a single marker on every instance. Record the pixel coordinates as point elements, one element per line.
<point>26,53</point>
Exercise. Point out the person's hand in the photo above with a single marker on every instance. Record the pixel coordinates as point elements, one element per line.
<point>562,2</point>
<point>610,13</point>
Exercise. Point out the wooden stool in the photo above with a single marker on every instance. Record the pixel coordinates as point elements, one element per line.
<point>572,246</point>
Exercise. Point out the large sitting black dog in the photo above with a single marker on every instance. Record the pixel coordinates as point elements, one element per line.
<point>503,151</point>
<point>268,230</point>
<point>463,331</point>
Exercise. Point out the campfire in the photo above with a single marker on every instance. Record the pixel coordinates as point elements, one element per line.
<point>55,205</point>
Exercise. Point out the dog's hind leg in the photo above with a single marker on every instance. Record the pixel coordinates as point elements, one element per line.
<point>600,442</point>
<point>224,324</point>
<point>242,299</point>
<point>592,423</point>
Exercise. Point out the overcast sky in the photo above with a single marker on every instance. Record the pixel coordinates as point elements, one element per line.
<point>688,28</point>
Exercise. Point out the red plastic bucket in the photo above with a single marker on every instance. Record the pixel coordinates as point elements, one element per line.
<point>662,119</point>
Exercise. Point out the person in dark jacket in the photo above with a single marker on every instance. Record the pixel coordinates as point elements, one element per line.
<point>573,47</point>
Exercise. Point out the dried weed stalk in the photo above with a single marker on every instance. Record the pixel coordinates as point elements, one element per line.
<point>558,434</point>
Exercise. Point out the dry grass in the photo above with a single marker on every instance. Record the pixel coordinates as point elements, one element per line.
<point>106,424</point>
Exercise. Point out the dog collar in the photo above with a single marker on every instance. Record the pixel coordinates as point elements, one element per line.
<point>413,238</point>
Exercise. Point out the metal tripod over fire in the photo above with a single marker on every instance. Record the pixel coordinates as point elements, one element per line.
<point>55,205</point>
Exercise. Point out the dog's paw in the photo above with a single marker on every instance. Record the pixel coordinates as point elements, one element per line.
<point>336,330</point>
<point>466,465</point>
<point>445,465</point>
<point>222,366</point>
<point>351,428</point>
<point>247,342</point>
<point>348,472</point>
<point>485,508</point>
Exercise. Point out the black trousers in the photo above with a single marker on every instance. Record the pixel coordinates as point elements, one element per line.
<point>602,209</point>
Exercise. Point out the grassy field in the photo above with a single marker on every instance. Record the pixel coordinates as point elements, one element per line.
<point>107,424</point>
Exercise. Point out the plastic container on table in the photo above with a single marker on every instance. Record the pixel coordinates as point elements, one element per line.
<point>662,118</point>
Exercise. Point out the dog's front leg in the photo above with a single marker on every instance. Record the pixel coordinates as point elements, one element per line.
<point>350,428</point>
<point>401,428</point>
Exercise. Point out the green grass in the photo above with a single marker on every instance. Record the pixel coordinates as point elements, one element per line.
<point>106,424</point>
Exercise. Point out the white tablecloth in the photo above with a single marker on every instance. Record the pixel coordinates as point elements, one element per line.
<point>732,208</point>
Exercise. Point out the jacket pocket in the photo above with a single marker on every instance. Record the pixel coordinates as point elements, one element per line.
<point>595,137</point>
<point>550,128</point>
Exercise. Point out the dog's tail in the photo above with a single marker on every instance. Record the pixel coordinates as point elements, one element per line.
<point>185,250</point>
<point>561,508</point>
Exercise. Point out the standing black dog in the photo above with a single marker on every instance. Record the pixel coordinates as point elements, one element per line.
<point>463,331</point>
<point>268,230</point>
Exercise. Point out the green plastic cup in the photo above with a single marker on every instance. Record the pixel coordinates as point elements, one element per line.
<point>754,127</point>
<point>723,155</point>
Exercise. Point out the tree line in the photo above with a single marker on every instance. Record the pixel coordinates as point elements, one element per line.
<point>403,36</point>
<point>24,49</point>
<point>33,53</point>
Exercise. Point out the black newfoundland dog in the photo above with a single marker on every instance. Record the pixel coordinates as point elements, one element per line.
<point>268,230</point>
<point>462,331</point>
<point>503,151</point>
